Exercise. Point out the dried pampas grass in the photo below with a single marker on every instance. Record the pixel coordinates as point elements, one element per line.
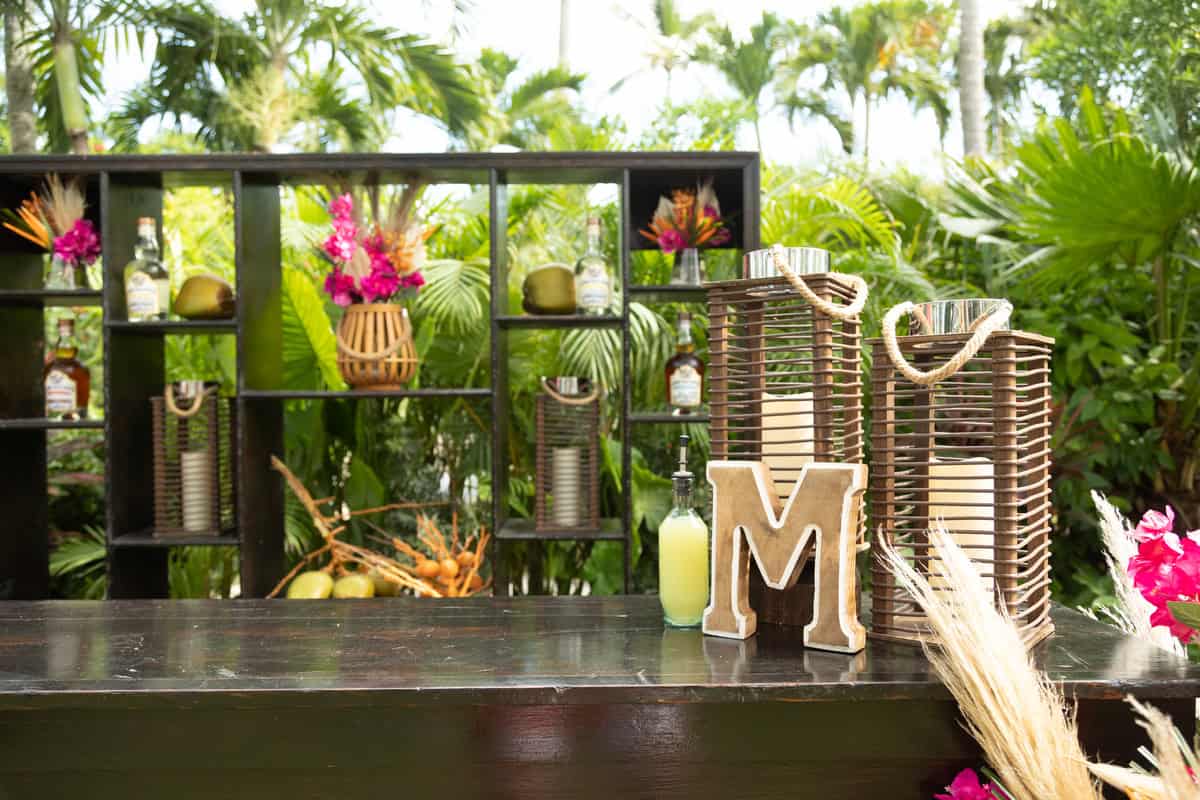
<point>1171,755</point>
<point>1132,613</point>
<point>1015,714</point>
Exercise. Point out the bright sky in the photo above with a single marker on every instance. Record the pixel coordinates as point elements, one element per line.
<point>607,46</point>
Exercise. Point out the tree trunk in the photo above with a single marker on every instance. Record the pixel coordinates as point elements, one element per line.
<point>970,79</point>
<point>867,128</point>
<point>18,81</point>
<point>564,7</point>
<point>70,91</point>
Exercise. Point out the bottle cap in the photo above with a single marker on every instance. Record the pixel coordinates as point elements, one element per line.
<point>144,221</point>
<point>66,323</point>
<point>685,316</point>
<point>682,472</point>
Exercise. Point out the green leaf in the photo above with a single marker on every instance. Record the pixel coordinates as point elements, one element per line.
<point>309,347</point>
<point>1186,613</point>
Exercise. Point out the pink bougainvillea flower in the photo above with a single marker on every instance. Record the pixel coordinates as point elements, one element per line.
<point>966,786</point>
<point>671,240</point>
<point>720,237</point>
<point>79,245</point>
<point>339,248</point>
<point>413,280</point>
<point>1155,524</point>
<point>340,287</point>
<point>342,207</point>
<point>380,285</point>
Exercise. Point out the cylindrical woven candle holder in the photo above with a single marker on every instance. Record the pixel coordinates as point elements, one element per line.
<point>567,481</point>
<point>960,437</point>
<point>193,461</point>
<point>785,382</point>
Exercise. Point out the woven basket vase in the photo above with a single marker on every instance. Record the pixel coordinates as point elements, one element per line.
<point>375,349</point>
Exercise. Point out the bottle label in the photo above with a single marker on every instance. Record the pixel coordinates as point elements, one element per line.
<point>141,296</point>
<point>595,291</point>
<point>685,387</point>
<point>60,393</point>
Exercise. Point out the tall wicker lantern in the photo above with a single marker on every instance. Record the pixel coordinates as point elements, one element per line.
<point>567,483</point>
<point>193,460</point>
<point>960,437</point>
<point>784,381</point>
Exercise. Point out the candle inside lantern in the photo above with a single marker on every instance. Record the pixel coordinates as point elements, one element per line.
<point>962,499</point>
<point>196,475</point>
<point>565,485</point>
<point>787,422</point>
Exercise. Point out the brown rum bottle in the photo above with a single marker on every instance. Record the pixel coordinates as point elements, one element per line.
<point>67,383</point>
<point>685,371</point>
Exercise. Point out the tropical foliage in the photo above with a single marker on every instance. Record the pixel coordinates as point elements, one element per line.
<point>1084,213</point>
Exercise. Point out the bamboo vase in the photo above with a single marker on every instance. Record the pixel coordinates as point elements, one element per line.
<point>375,349</point>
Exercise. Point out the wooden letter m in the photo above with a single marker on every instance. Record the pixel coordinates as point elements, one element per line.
<point>821,513</point>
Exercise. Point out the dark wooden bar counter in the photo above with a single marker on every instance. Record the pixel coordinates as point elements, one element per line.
<point>520,698</point>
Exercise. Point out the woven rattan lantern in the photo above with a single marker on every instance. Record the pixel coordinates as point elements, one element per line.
<point>785,385</point>
<point>567,483</point>
<point>960,437</point>
<point>193,461</point>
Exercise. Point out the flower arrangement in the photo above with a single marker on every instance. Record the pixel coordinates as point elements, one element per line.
<point>688,218</point>
<point>1166,572</point>
<point>967,786</point>
<point>376,262</point>
<point>53,220</point>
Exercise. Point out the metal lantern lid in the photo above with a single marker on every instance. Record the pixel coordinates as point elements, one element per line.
<point>962,315</point>
<point>802,260</point>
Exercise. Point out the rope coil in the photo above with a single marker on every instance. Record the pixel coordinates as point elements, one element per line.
<point>846,312</point>
<point>982,330</point>
<point>197,401</point>
<point>571,401</point>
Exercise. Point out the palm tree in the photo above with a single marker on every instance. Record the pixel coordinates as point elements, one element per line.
<point>672,39</point>
<point>871,51</point>
<point>970,77</point>
<point>523,115</point>
<point>287,61</point>
<point>18,79</point>
<point>752,68</point>
<point>1004,75</point>
<point>63,43</point>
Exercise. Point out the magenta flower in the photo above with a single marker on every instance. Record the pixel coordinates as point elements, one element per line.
<point>340,287</point>
<point>380,285</point>
<point>966,786</point>
<point>710,212</point>
<point>671,240</point>
<point>413,280</point>
<point>80,245</point>
<point>1155,524</point>
<point>342,207</point>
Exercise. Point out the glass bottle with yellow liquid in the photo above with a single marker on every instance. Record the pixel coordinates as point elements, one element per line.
<point>683,571</point>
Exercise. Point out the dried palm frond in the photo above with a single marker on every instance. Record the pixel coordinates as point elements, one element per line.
<point>1015,714</point>
<point>62,204</point>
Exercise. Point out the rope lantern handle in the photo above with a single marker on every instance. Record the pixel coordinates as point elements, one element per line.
<point>345,349</point>
<point>571,401</point>
<point>197,402</point>
<point>846,312</point>
<point>982,330</point>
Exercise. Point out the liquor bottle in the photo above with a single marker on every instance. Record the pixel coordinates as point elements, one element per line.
<point>147,283</point>
<point>683,553</point>
<point>67,383</point>
<point>593,283</point>
<point>685,371</point>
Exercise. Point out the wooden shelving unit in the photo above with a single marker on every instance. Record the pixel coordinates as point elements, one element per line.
<point>122,188</point>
